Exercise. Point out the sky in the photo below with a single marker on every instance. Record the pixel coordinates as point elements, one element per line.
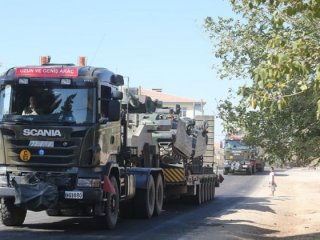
<point>154,44</point>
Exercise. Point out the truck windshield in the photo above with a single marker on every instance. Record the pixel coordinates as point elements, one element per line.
<point>47,104</point>
<point>235,144</point>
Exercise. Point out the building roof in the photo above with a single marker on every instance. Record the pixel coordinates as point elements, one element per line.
<point>167,98</point>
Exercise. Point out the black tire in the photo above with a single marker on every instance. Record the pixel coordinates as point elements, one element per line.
<point>12,215</point>
<point>144,201</point>
<point>225,171</point>
<point>206,191</point>
<point>203,195</point>
<point>249,171</point>
<point>198,197</point>
<point>213,185</point>
<point>213,191</point>
<point>159,192</point>
<point>111,206</point>
<point>217,181</point>
<point>210,189</point>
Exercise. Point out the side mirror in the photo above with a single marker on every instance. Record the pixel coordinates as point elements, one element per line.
<point>117,80</point>
<point>178,109</point>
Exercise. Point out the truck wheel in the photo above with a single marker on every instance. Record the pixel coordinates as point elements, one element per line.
<point>159,196</point>
<point>144,200</point>
<point>210,190</point>
<point>198,197</point>
<point>217,181</point>
<point>203,189</point>
<point>213,190</point>
<point>206,194</point>
<point>111,209</point>
<point>225,171</point>
<point>12,215</point>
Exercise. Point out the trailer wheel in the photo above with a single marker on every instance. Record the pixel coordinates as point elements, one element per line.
<point>206,189</point>
<point>203,189</point>
<point>159,196</point>
<point>213,190</point>
<point>209,190</point>
<point>144,200</point>
<point>111,207</point>
<point>198,197</point>
<point>212,186</point>
<point>12,215</point>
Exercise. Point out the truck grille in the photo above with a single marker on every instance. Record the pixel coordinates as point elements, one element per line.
<point>63,153</point>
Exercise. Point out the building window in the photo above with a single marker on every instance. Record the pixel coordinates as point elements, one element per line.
<point>183,112</point>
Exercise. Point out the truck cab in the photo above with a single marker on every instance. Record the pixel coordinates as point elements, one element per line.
<point>60,133</point>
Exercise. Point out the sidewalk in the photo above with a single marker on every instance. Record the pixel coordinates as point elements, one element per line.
<point>293,213</point>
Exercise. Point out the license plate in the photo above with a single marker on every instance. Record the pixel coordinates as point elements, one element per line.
<point>73,195</point>
<point>41,144</point>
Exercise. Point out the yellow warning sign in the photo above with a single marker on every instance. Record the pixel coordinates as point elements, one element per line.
<point>25,155</point>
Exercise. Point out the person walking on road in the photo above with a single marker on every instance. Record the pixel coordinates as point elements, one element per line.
<point>272,183</point>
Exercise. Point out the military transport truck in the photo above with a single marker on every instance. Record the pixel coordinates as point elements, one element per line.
<point>241,157</point>
<point>70,146</point>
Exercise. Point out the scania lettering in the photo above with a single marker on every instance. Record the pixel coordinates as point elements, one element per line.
<point>72,144</point>
<point>42,132</point>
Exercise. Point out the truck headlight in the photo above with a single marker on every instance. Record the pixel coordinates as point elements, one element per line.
<point>88,182</point>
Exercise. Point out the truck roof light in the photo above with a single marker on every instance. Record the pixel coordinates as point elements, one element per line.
<point>82,61</point>
<point>45,59</point>
<point>23,80</point>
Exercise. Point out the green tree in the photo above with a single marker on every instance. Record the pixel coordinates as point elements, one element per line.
<point>274,43</point>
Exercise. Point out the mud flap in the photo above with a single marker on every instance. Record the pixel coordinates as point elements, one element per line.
<point>36,196</point>
<point>107,186</point>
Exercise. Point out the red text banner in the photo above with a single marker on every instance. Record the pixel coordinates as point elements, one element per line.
<point>41,72</point>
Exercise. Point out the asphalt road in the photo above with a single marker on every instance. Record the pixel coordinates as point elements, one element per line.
<point>179,220</point>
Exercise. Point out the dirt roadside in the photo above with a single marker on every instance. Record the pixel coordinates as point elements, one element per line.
<point>293,213</point>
